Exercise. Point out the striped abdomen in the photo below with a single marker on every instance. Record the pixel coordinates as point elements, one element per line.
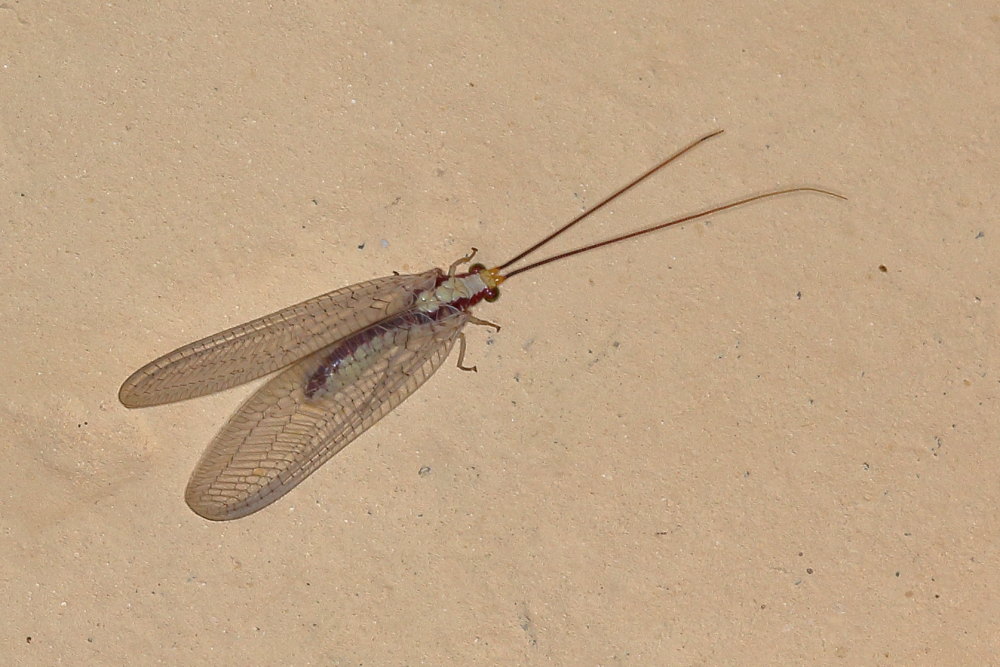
<point>354,354</point>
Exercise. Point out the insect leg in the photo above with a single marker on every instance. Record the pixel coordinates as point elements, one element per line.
<point>461,260</point>
<point>461,354</point>
<point>483,323</point>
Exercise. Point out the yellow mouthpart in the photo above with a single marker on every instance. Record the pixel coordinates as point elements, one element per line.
<point>492,277</point>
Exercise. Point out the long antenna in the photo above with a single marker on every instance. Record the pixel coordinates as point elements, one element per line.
<point>662,225</point>
<point>605,201</point>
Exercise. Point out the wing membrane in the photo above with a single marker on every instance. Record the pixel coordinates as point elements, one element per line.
<point>264,345</point>
<point>279,436</point>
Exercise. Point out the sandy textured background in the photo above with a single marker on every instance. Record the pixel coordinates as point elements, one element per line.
<point>735,442</point>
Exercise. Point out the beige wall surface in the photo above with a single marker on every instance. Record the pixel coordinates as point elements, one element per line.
<point>765,438</point>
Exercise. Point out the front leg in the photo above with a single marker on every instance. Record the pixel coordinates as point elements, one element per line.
<point>461,260</point>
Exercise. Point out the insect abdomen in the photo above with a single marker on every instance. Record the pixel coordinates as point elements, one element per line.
<point>357,352</point>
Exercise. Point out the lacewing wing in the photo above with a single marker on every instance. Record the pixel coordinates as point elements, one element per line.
<point>346,359</point>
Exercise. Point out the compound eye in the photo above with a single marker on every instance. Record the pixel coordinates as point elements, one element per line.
<point>492,295</point>
<point>476,268</point>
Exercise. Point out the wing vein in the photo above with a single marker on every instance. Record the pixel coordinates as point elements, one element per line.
<point>279,436</point>
<point>262,346</point>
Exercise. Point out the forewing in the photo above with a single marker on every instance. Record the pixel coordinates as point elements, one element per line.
<point>279,436</point>
<point>254,349</point>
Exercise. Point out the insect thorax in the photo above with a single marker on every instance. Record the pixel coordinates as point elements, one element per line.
<point>459,291</point>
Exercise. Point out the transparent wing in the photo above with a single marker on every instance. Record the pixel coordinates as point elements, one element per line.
<point>280,436</point>
<point>254,349</point>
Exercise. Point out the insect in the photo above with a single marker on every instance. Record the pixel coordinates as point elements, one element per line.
<point>346,359</point>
